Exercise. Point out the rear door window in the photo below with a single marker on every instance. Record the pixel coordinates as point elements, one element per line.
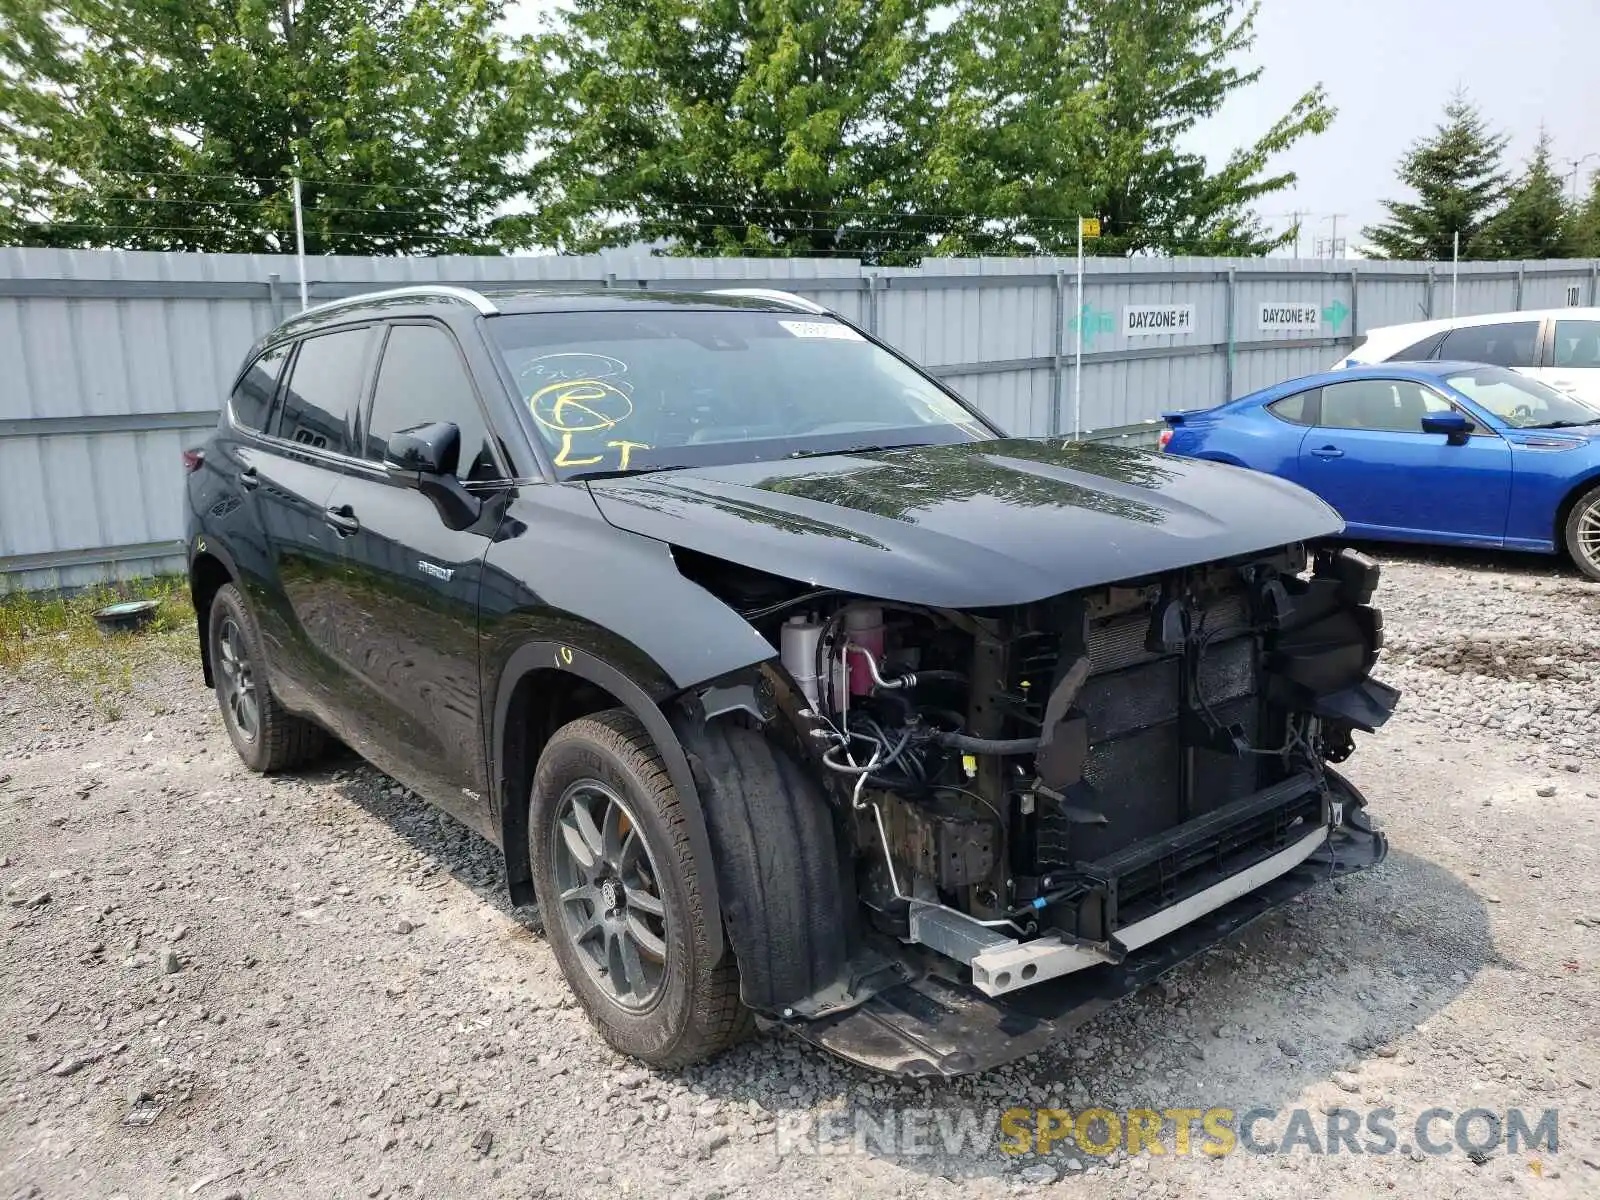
<point>251,401</point>
<point>323,394</point>
<point>1508,344</point>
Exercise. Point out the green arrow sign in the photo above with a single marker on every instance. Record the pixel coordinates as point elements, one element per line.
<point>1335,313</point>
<point>1094,320</point>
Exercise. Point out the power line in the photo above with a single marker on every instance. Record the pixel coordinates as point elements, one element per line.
<point>220,229</point>
<point>684,206</point>
<point>447,189</point>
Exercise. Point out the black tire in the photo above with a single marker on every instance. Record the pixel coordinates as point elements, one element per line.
<point>693,1011</point>
<point>266,735</point>
<point>1582,533</point>
<point>788,906</point>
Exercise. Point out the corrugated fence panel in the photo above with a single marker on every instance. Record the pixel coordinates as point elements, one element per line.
<point>112,361</point>
<point>1559,290</point>
<point>1011,399</point>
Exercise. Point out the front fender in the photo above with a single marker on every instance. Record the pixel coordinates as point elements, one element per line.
<point>558,572</point>
<point>573,660</point>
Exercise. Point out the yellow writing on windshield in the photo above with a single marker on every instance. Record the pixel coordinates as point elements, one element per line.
<point>576,406</point>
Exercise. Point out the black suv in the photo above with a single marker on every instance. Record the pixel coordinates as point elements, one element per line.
<point>790,687</point>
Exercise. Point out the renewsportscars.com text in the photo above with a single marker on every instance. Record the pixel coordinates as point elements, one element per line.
<point>1211,1131</point>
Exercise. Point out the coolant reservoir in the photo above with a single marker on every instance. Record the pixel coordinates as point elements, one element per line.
<point>863,626</point>
<point>797,650</point>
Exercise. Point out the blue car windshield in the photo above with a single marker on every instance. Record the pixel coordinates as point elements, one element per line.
<point>615,392</point>
<point>1520,402</point>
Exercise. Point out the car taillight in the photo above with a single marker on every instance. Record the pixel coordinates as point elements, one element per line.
<point>193,460</point>
<point>1163,438</point>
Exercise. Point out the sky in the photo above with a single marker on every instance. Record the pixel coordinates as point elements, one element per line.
<point>1389,67</point>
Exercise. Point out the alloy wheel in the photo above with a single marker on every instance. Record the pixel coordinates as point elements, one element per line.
<point>1589,535</point>
<point>610,894</point>
<point>238,679</point>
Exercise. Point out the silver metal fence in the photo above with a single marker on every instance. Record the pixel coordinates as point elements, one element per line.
<point>111,362</point>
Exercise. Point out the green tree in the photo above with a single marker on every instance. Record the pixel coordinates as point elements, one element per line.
<point>177,124</point>
<point>842,126</point>
<point>1585,227</point>
<point>1052,109</point>
<point>1534,221</point>
<point>1457,177</point>
<point>768,127</point>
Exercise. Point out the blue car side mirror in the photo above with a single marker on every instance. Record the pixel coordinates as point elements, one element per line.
<point>1454,425</point>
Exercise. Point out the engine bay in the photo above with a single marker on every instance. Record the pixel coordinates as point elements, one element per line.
<point>1028,789</point>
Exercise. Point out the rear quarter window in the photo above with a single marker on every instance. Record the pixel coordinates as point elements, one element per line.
<point>1298,409</point>
<point>251,402</point>
<point>1419,351</point>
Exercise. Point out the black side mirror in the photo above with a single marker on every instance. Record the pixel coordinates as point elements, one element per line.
<point>431,449</point>
<point>425,458</point>
<point>1454,425</point>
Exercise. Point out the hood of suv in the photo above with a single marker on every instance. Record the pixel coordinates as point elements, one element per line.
<point>967,526</point>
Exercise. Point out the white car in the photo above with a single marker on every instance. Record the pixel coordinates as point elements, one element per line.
<point>1559,346</point>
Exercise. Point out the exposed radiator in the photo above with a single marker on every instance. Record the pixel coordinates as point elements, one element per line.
<point>1137,760</point>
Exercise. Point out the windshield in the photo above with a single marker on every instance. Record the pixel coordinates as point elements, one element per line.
<point>651,389</point>
<point>1520,402</point>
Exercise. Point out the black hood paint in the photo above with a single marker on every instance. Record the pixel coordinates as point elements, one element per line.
<point>974,525</point>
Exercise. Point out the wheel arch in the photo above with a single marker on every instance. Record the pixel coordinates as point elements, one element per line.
<point>210,569</point>
<point>1569,500</point>
<point>783,863</point>
<point>545,684</point>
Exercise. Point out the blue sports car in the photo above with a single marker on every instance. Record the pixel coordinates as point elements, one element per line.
<point>1450,452</point>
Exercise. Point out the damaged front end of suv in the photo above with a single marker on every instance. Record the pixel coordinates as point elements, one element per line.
<point>975,733</point>
<point>1034,806</point>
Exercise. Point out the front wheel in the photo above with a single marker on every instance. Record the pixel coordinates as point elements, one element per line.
<point>1583,533</point>
<point>618,889</point>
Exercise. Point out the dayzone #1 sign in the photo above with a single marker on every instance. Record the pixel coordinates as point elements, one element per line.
<point>1142,320</point>
<point>1302,318</point>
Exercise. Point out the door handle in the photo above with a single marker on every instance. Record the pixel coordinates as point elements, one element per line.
<point>342,520</point>
<point>1328,452</point>
<point>249,480</point>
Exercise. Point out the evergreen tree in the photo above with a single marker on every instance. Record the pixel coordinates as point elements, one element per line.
<point>1534,222</point>
<point>152,124</point>
<point>1459,184</point>
<point>1585,227</point>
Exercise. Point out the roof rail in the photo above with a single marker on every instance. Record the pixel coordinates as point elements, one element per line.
<point>442,291</point>
<point>774,296</point>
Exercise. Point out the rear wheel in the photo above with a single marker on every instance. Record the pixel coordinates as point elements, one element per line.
<point>618,888</point>
<point>266,736</point>
<point>1583,533</point>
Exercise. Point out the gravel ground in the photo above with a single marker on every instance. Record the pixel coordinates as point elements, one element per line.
<point>215,985</point>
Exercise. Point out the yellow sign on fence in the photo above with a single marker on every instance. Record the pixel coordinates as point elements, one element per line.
<point>1089,226</point>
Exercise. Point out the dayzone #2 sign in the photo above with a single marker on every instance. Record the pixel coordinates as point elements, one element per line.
<point>1143,320</point>
<point>1302,318</point>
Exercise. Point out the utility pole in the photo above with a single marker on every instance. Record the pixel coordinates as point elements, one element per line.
<point>1576,163</point>
<point>1455,268</point>
<point>1295,216</point>
<point>1333,240</point>
<point>300,243</point>
<point>1077,349</point>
